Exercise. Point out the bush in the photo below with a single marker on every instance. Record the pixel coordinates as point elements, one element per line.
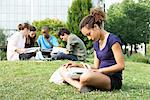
<point>148,49</point>
<point>2,44</point>
<point>139,58</point>
<point>54,25</point>
<point>78,10</point>
<point>2,38</point>
<point>2,55</point>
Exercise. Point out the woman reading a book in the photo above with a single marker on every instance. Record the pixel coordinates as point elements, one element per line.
<point>106,74</point>
<point>29,44</point>
<point>16,42</point>
<point>30,40</point>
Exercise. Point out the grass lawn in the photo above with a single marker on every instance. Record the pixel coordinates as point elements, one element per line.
<point>29,80</point>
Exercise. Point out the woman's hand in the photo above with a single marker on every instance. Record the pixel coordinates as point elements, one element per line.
<point>96,70</point>
<point>20,50</point>
<point>71,64</point>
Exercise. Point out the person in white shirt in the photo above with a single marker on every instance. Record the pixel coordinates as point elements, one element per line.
<point>16,43</point>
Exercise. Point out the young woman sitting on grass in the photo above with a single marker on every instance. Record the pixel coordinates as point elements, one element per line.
<point>108,57</point>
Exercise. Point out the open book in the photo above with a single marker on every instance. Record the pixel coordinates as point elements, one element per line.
<point>58,49</point>
<point>75,72</point>
<point>32,49</point>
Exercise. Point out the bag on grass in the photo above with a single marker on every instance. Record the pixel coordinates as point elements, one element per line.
<point>56,77</point>
<point>73,73</point>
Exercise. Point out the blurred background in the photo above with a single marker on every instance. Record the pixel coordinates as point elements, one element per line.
<point>128,19</point>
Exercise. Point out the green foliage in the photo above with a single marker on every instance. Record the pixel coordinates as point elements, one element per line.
<point>2,38</point>
<point>2,55</point>
<point>148,49</point>
<point>54,25</point>
<point>138,16</point>
<point>139,58</point>
<point>78,10</point>
<point>130,21</point>
<point>145,2</point>
<point>29,80</point>
<point>2,44</point>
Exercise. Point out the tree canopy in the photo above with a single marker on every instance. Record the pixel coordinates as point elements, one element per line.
<point>130,20</point>
<point>2,38</point>
<point>78,10</point>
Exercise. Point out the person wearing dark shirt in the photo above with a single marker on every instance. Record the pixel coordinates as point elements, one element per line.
<point>106,74</point>
<point>30,40</point>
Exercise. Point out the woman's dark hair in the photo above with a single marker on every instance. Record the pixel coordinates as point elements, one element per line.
<point>32,28</point>
<point>87,20</point>
<point>97,16</point>
<point>30,41</point>
<point>62,31</point>
<point>98,13</point>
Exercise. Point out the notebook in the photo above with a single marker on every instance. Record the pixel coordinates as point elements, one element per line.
<point>32,49</point>
<point>58,49</point>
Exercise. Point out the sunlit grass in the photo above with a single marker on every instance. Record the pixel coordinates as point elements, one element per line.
<point>29,80</point>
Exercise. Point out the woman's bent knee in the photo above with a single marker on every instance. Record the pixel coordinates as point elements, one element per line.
<point>85,78</point>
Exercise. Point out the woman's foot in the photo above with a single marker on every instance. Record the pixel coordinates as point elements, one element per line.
<point>85,89</point>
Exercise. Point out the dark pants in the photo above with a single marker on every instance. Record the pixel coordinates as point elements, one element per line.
<point>63,56</point>
<point>26,56</point>
<point>46,53</point>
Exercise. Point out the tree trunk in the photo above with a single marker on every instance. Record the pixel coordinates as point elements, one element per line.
<point>135,48</point>
<point>131,50</point>
<point>125,49</point>
<point>145,48</point>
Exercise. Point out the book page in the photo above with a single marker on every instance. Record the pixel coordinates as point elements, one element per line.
<point>59,49</point>
<point>32,49</point>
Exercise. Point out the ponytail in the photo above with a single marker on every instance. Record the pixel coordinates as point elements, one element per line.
<point>20,27</point>
<point>97,16</point>
<point>23,26</point>
<point>89,21</point>
<point>98,13</point>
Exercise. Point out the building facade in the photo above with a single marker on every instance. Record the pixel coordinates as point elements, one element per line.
<point>14,12</point>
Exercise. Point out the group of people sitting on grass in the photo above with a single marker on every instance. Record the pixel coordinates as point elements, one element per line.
<point>25,38</point>
<point>106,72</point>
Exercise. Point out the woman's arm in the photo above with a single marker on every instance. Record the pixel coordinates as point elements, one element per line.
<point>96,61</point>
<point>118,55</point>
<point>80,65</point>
<point>72,64</point>
<point>20,50</point>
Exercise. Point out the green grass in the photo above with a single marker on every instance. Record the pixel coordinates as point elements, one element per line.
<point>29,80</point>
